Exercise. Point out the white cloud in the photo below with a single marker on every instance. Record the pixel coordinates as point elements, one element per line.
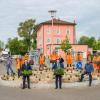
<point>86,13</point>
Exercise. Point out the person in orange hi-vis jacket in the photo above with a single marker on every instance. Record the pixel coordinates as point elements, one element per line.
<point>79,57</point>
<point>26,57</point>
<point>98,65</point>
<point>69,59</point>
<point>53,57</point>
<point>41,61</point>
<point>18,65</point>
<point>95,61</point>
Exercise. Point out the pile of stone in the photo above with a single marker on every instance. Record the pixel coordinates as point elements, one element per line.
<point>8,77</point>
<point>46,76</point>
<point>71,75</point>
<point>42,76</point>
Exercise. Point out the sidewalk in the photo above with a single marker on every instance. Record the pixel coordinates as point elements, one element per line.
<point>18,83</point>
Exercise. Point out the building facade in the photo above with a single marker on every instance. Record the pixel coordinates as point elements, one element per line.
<point>48,35</point>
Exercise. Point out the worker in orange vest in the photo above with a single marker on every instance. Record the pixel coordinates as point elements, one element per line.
<point>26,57</point>
<point>79,59</point>
<point>69,61</point>
<point>18,65</point>
<point>22,61</point>
<point>96,59</point>
<point>98,65</point>
<point>53,57</point>
<point>89,57</point>
<point>41,61</point>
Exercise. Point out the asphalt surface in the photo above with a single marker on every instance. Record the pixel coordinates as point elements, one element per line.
<point>2,68</point>
<point>92,93</point>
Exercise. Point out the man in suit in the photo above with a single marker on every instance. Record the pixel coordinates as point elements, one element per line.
<point>58,67</point>
<point>26,72</point>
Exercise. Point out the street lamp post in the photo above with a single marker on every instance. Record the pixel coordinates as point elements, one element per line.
<point>53,14</point>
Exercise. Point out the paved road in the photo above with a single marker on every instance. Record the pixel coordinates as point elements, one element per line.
<point>2,68</point>
<point>92,93</point>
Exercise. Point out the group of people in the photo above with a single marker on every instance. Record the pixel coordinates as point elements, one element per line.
<point>24,68</point>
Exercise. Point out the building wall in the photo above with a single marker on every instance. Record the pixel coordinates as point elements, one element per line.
<point>90,50</point>
<point>81,48</point>
<point>40,38</point>
<point>46,34</point>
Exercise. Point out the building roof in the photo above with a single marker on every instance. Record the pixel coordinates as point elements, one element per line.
<point>58,21</point>
<point>55,22</point>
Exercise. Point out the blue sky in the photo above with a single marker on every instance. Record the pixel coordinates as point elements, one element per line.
<point>85,12</point>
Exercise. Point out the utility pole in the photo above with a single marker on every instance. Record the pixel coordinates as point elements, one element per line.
<point>53,14</point>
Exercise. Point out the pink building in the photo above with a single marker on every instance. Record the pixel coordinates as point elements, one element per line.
<point>48,35</point>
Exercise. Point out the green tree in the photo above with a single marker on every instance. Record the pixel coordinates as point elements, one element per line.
<point>23,47</point>
<point>26,30</point>
<point>97,45</point>
<point>1,45</point>
<point>17,46</point>
<point>13,45</point>
<point>90,41</point>
<point>65,45</point>
<point>83,40</point>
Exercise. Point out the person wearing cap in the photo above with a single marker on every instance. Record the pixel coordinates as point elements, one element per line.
<point>88,71</point>
<point>58,72</point>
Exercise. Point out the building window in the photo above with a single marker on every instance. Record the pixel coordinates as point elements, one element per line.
<point>48,31</point>
<point>40,42</point>
<point>58,41</point>
<point>48,40</point>
<point>58,31</point>
<point>68,31</point>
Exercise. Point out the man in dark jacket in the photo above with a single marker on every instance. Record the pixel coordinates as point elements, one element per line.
<point>26,72</point>
<point>58,75</point>
<point>88,70</point>
<point>61,61</point>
